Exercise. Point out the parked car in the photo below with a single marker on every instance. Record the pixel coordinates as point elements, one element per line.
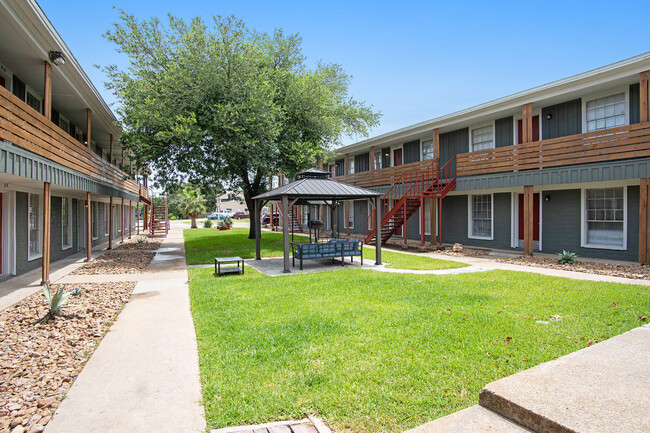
<point>266,219</point>
<point>241,214</point>
<point>213,216</point>
<point>220,215</point>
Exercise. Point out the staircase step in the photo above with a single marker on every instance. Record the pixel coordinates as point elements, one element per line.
<point>475,419</point>
<point>602,388</point>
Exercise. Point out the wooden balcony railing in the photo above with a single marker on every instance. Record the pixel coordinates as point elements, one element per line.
<point>623,142</point>
<point>23,126</point>
<point>384,176</point>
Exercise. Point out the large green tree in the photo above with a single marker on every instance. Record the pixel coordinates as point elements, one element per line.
<point>225,104</point>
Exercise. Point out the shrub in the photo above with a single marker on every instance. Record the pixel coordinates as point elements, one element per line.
<point>141,239</point>
<point>567,257</point>
<point>55,300</point>
<point>207,224</point>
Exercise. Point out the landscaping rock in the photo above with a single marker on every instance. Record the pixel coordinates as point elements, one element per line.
<point>140,242</point>
<point>628,270</point>
<point>115,262</point>
<point>40,356</point>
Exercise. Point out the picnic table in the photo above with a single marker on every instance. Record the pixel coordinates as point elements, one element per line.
<point>218,261</point>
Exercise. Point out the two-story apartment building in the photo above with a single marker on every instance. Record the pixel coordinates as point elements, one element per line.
<point>65,185</point>
<point>562,166</point>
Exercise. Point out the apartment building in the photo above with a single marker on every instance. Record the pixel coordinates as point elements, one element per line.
<point>65,185</point>
<point>562,166</point>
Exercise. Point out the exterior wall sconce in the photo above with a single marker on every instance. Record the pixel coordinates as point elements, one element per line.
<point>547,198</point>
<point>549,116</point>
<point>57,58</point>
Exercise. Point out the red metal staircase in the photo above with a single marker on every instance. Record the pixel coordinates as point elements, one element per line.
<point>294,218</point>
<point>407,195</point>
<point>159,218</point>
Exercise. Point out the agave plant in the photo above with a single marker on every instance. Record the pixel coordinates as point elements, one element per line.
<point>567,257</point>
<point>55,300</point>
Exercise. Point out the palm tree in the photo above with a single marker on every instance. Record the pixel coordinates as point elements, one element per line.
<point>191,203</point>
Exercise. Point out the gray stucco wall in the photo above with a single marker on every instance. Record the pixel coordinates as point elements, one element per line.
<point>561,225</point>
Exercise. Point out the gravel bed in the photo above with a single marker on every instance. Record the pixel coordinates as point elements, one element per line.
<point>631,270</point>
<point>41,356</point>
<point>114,262</point>
<point>141,242</point>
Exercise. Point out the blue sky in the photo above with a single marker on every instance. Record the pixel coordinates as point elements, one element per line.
<point>411,60</point>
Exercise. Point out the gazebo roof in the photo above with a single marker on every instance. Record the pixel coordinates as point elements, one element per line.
<point>311,188</point>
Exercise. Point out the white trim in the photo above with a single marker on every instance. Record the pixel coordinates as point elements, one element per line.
<point>422,140</point>
<point>483,125</point>
<point>69,202</point>
<point>514,219</point>
<point>38,255</point>
<point>583,220</point>
<point>392,154</point>
<point>603,94</point>
<point>470,220</point>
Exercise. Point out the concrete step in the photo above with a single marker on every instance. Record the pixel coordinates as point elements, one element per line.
<point>602,388</point>
<point>475,419</point>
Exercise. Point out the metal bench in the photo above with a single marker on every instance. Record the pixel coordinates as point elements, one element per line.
<point>333,249</point>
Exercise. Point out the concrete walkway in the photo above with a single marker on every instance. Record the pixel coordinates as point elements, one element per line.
<point>144,376</point>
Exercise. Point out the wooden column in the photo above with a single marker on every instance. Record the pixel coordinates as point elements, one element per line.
<point>440,222</point>
<point>47,91</point>
<point>527,123</point>
<point>257,220</point>
<point>110,223</point>
<point>122,219</point>
<point>378,231</point>
<point>372,158</point>
<point>645,96</point>
<point>89,238</point>
<point>432,215</point>
<point>130,217</point>
<point>110,148</point>
<point>644,222</point>
<point>285,232</point>
<point>47,214</point>
<point>137,218</point>
<point>89,115</point>
<point>404,225</point>
<point>422,222</point>
<point>528,220</point>
<point>347,203</point>
<point>436,143</point>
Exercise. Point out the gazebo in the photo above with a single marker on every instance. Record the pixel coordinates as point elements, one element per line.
<point>313,185</point>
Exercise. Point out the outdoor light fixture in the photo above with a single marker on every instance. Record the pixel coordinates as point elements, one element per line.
<point>547,198</point>
<point>549,116</point>
<point>57,58</point>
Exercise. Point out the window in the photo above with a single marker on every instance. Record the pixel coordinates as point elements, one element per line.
<point>351,166</point>
<point>605,218</point>
<point>482,138</point>
<point>66,224</point>
<point>377,160</point>
<point>607,112</point>
<point>351,215</point>
<point>427,150</point>
<point>33,102</point>
<point>93,218</point>
<point>480,216</point>
<point>106,219</point>
<point>34,221</point>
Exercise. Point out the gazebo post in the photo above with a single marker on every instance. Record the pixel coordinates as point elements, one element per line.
<point>377,231</point>
<point>335,219</point>
<point>285,232</point>
<point>258,230</point>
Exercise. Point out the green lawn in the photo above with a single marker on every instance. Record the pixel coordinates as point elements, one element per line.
<point>203,245</point>
<point>395,260</point>
<point>371,351</point>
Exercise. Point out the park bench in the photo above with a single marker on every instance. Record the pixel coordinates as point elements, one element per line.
<point>335,248</point>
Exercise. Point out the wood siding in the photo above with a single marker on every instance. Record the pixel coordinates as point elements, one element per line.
<point>566,119</point>
<point>23,126</point>
<point>452,143</point>
<point>411,152</point>
<point>361,163</point>
<point>504,132</point>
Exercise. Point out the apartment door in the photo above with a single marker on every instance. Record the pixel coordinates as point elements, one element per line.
<point>397,157</point>
<point>535,130</point>
<point>535,219</point>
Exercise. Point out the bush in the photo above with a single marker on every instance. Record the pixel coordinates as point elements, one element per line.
<point>207,224</point>
<point>567,258</point>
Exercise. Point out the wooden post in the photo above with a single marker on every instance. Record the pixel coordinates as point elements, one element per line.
<point>372,158</point>
<point>440,222</point>
<point>257,220</point>
<point>644,222</point>
<point>88,125</point>
<point>436,143</point>
<point>47,91</point>
<point>137,218</point>
<point>122,220</point>
<point>645,96</point>
<point>404,225</point>
<point>130,217</point>
<point>110,223</point>
<point>285,232</point>
<point>110,148</point>
<point>527,122</point>
<point>422,223</point>
<point>47,213</point>
<point>347,203</point>
<point>89,238</point>
<point>432,215</point>
<point>528,220</point>
<point>378,231</point>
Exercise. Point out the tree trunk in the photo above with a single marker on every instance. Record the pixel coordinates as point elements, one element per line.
<point>193,218</point>
<point>250,203</point>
